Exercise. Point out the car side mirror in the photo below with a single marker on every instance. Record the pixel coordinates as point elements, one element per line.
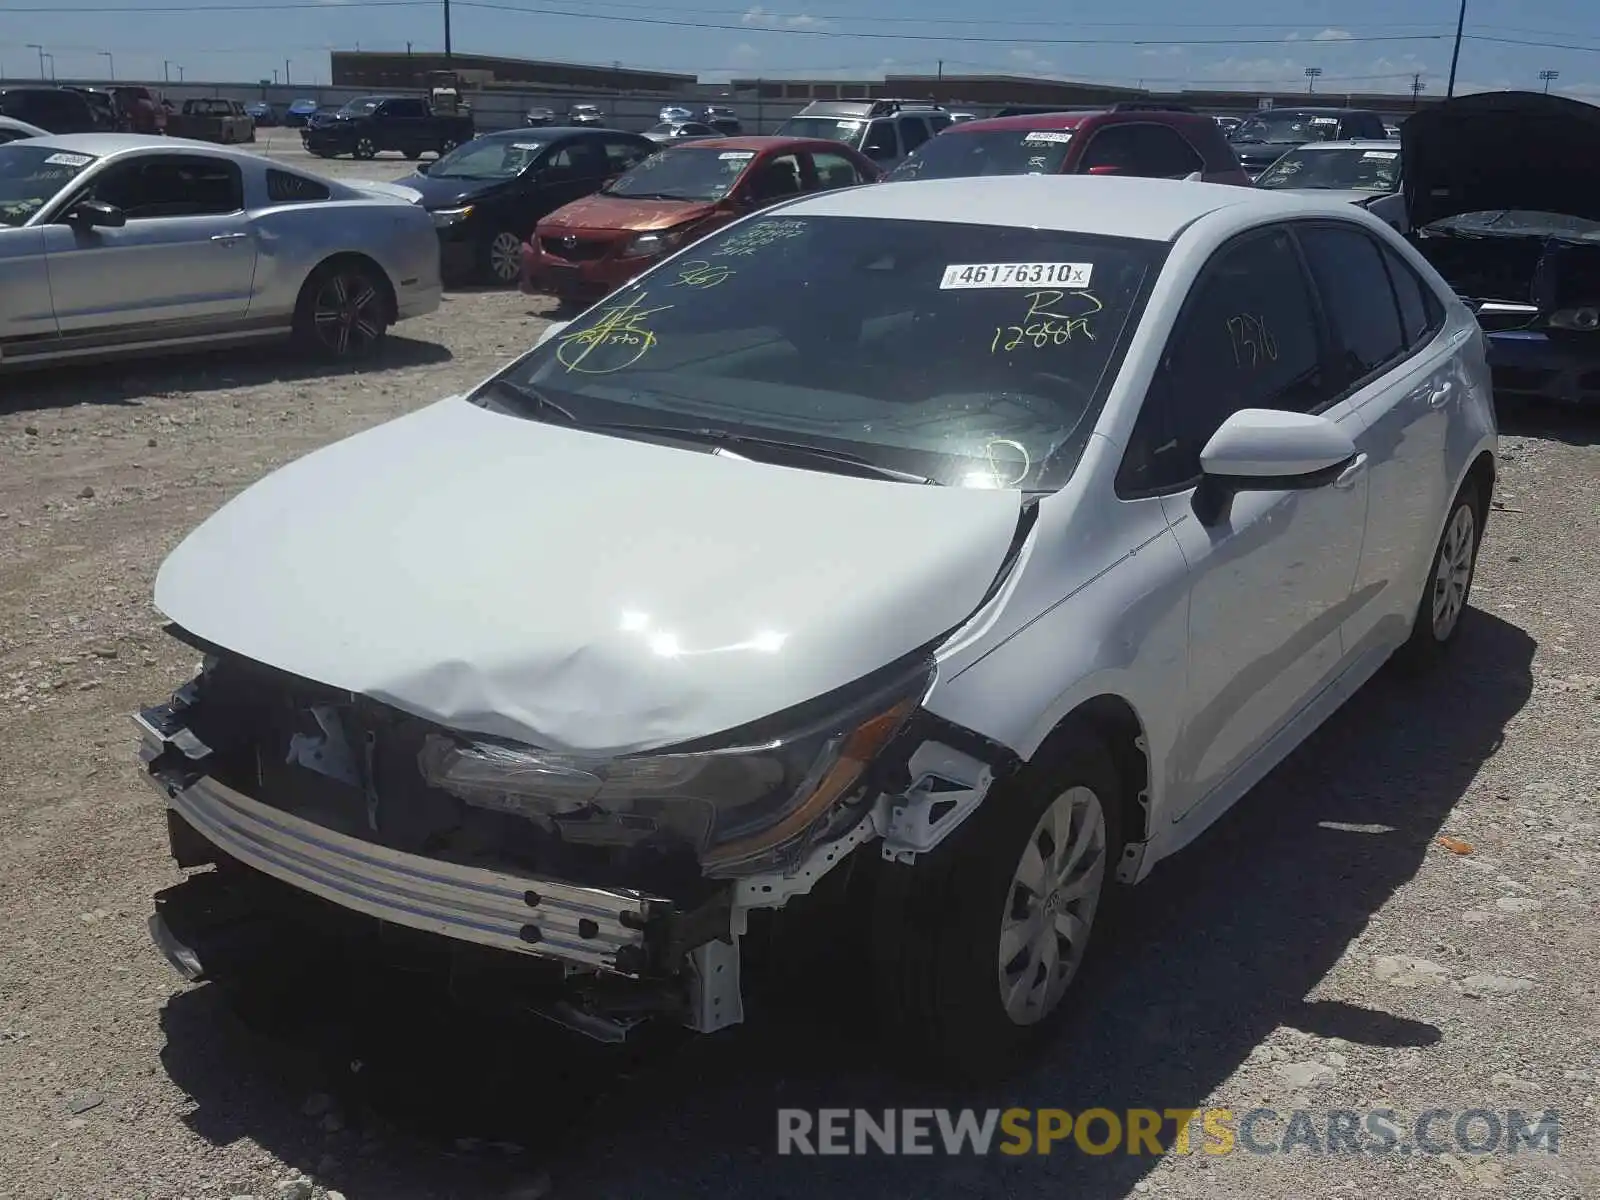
<point>96,214</point>
<point>1264,449</point>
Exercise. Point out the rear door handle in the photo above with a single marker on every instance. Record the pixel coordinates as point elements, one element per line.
<point>1440,396</point>
<point>1348,476</point>
<point>227,239</point>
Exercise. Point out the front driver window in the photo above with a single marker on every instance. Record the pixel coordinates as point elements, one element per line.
<point>172,186</point>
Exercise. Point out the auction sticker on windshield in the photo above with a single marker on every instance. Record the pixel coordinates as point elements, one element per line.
<point>736,155</point>
<point>1046,138</point>
<point>1381,154</point>
<point>69,160</point>
<point>1008,275</point>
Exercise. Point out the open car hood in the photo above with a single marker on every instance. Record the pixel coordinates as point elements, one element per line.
<point>574,590</point>
<point>1502,150</point>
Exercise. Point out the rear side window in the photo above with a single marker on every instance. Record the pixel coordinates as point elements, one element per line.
<point>1421,314</point>
<point>1348,268</point>
<point>1150,151</point>
<point>913,132</point>
<point>284,188</point>
<point>621,155</point>
<point>404,109</point>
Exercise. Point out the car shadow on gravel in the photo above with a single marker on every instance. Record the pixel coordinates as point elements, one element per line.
<point>1220,947</point>
<point>132,381</point>
<point>1573,425</point>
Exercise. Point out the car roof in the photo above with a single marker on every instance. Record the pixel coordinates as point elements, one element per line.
<point>760,142</point>
<point>102,145</point>
<point>539,133</point>
<point>1152,209</point>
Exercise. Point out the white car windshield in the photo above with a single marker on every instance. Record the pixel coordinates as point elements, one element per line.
<point>848,132</point>
<point>684,173</point>
<point>487,158</point>
<point>31,176</point>
<point>1346,170</point>
<point>1286,127</point>
<point>969,355</point>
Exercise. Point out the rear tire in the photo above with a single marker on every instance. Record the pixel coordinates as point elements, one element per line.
<point>365,148</point>
<point>976,946</point>
<point>446,145</point>
<point>413,154</point>
<point>1443,605</point>
<point>343,313</point>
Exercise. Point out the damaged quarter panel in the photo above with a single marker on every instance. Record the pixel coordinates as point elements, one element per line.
<point>574,590</point>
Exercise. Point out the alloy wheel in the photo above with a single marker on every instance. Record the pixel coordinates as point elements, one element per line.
<point>365,148</point>
<point>347,314</point>
<point>1452,574</point>
<point>446,146</point>
<point>505,257</point>
<point>1049,910</point>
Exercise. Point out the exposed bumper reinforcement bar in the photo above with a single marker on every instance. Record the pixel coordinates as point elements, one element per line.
<point>583,926</point>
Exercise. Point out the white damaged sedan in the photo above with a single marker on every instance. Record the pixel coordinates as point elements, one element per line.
<point>990,537</point>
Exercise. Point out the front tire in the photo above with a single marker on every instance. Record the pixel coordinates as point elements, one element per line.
<point>343,312</point>
<point>977,945</point>
<point>1449,585</point>
<point>500,259</point>
<point>365,148</point>
<point>446,145</point>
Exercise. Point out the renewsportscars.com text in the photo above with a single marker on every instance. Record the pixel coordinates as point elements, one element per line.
<point>1212,1131</point>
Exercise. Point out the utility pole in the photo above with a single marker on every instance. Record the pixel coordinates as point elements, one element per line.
<point>166,71</point>
<point>1416,88</point>
<point>1455,55</point>
<point>52,60</point>
<point>40,49</point>
<point>286,78</point>
<point>111,65</point>
<point>274,76</point>
<point>180,71</point>
<point>938,87</point>
<point>1549,77</point>
<point>447,34</point>
<point>1311,78</point>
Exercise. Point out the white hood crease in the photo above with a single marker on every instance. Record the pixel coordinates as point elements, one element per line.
<point>573,590</point>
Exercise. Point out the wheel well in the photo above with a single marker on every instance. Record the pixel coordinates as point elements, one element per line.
<point>354,258</point>
<point>1113,721</point>
<point>1480,477</point>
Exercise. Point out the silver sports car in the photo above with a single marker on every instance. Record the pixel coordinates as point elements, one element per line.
<point>122,242</point>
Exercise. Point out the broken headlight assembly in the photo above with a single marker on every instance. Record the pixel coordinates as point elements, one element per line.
<point>748,800</point>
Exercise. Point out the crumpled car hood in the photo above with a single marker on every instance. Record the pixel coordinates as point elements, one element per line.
<point>574,590</point>
<point>618,212</point>
<point>1502,150</point>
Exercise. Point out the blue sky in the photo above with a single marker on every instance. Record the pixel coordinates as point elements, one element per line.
<point>1358,44</point>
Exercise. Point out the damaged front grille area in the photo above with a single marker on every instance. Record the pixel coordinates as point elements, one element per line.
<point>314,804</point>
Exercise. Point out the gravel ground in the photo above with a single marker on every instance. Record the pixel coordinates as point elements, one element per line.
<point>1320,949</point>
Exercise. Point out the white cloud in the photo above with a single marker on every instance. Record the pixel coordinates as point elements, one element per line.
<point>1162,52</point>
<point>759,16</point>
<point>744,55</point>
<point>1333,35</point>
<point>1277,72</point>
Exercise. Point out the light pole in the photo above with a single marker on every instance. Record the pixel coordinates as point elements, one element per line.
<point>51,59</point>
<point>1455,55</point>
<point>447,34</point>
<point>166,71</point>
<point>1549,77</point>
<point>286,78</point>
<point>111,65</point>
<point>40,49</point>
<point>180,72</point>
<point>1311,78</point>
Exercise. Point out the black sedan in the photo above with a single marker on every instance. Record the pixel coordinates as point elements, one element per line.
<point>487,195</point>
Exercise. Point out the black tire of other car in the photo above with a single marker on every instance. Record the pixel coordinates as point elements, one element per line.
<point>500,258</point>
<point>959,938</point>
<point>344,311</point>
<point>1449,584</point>
<point>413,154</point>
<point>365,148</point>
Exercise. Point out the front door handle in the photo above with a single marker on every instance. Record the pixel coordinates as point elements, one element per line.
<point>227,239</point>
<point>1347,477</point>
<point>1440,396</point>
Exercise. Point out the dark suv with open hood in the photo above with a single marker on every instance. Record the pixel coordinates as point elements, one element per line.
<point>1503,194</point>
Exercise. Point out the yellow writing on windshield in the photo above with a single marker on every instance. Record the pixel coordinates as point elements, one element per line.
<point>701,274</point>
<point>620,338</point>
<point>1045,324</point>
<point>763,233</point>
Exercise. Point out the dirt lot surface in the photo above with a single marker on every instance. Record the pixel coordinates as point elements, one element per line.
<point>1320,949</point>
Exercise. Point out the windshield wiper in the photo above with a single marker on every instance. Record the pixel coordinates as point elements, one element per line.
<point>735,441</point>
<point>532,396</point>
